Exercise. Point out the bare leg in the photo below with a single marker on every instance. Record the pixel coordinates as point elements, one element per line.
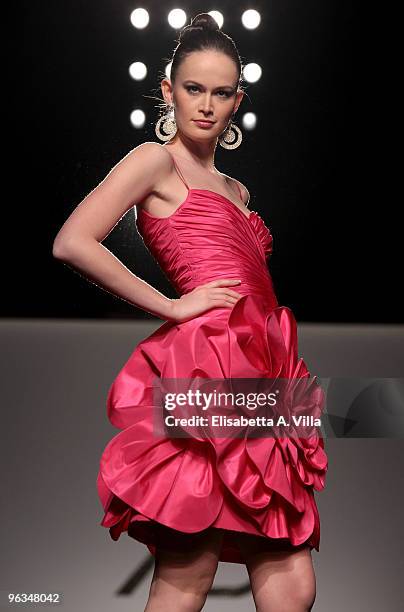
<point>184,572</point>
<point>281,581</point>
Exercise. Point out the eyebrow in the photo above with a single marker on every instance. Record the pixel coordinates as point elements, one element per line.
<point>199,85</point>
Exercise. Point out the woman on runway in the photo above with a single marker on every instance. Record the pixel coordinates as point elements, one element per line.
<point>194,502</point>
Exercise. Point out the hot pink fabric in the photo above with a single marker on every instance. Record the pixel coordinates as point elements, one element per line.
<point>260,486</point>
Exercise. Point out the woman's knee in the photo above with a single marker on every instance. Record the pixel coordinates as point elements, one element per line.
<point>304,593</point>
<point>282,580</point>
<point>297,594</point>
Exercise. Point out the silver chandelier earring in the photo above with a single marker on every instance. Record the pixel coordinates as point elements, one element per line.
<point>231,137</point>
<point>166,126</point>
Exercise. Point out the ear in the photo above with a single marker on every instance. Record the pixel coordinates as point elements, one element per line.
<point>167,91</point>
<point>239,97</point>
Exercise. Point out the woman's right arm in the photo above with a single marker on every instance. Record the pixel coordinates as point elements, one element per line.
<point>78,242</point>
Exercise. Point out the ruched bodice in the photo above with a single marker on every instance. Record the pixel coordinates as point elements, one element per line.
<point>209,237</point>
<point>262,487</point>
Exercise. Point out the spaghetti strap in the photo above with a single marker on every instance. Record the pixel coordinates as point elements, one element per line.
<point>238,187</point>
<point>239,190</point>
<point>185,182</point>
<point>179,171</point>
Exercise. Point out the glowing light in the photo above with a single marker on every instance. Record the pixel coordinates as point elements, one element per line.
<point>139,18</point>
<point>138,71</point>
<point>168,70</point>
<point>251,19</point>
<point>218,17</point>
<point>177,18</point>
<point>252,72</point>
<point>137,118</point>
<point>249,121</point>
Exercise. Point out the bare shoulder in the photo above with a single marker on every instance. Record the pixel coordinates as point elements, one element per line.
<point>143,169</point>
<point>152,154</point>
<point>126,185</point>
<point>244,191</point>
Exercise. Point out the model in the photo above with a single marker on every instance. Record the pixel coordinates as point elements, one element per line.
<point>195,500</point>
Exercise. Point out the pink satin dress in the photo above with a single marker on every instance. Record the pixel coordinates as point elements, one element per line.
<point>160,489</point>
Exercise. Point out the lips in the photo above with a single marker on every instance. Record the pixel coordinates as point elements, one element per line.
<point>203,123</point>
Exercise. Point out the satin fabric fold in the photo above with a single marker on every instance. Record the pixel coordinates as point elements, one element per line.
<point>258,486</point>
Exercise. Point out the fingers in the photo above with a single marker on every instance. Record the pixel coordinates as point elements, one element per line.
<point>220,303</point>
<point>224,294</point>
<point>224,297</point>
<point>214,294</point>
<point>223,282</point>
<point>233,295</point>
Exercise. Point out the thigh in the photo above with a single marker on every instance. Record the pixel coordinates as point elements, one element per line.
<point>188,559</point>
<point>282,576</point>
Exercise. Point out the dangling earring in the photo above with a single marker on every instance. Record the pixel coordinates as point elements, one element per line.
<point>168,124</point>
<point>231,138</point>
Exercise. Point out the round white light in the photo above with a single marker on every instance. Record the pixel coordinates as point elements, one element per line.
<point>249,121</point>
<point>138,71</point>
<point>218,17</point>
<point>252,72</point>
<point>137,118</point>
<point>139,18</point>
<point>177,18</point>
<point>251,19</point>
<point>168,70</point>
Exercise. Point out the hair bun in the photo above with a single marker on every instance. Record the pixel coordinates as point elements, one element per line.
<point>206,21</point>
<point>202,21</point>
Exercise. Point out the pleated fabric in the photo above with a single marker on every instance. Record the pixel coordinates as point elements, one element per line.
<point>258,486</point>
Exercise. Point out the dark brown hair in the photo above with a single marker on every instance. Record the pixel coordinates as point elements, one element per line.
<point>201,34</point>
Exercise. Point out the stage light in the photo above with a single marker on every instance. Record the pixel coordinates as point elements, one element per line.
<point>252,72</point>
<point>249,121</point>
<point>218,17</point>
<point>137,118</point>
<point>168,70</point>
<point>251,19</point>
<point>177,18</point>
<point>138,71</point>
<point>139,18</point>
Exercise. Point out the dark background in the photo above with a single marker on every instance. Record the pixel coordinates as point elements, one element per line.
<point>313,165</point>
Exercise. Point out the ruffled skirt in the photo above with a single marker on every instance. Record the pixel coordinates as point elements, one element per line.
<point>176,488</point>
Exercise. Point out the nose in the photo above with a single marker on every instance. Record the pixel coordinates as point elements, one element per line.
<point>206,104</point>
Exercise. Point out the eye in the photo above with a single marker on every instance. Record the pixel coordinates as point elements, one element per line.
<point>227,94</point>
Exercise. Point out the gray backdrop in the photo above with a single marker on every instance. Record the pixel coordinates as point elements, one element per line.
<point>55,377</point>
